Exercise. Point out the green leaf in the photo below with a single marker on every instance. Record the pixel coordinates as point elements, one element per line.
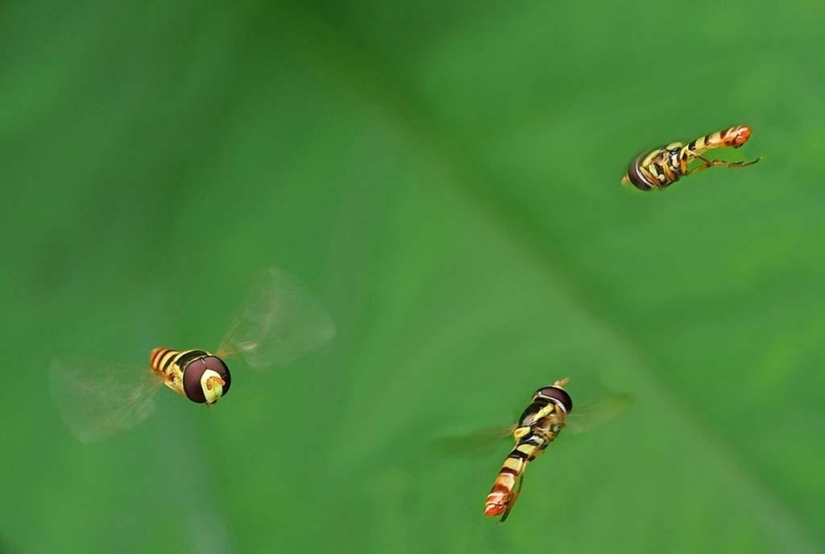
<point>445,176</point>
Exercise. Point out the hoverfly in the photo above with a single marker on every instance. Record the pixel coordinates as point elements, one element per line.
<point>279,322</point>
<point>664,166</point>
<point>549,411</point>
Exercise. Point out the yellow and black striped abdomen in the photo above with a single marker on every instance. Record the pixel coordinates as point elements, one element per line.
<point>733,137</point>
<point>530,447</point>
<point>503,495</point>
<point>526,450</point>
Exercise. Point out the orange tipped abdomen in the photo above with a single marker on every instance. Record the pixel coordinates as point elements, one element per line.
<point>493,508</point>
<point>739,135</point>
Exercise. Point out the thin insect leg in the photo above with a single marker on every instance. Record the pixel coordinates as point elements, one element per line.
<point>520,483</point>
<point>706,165</point>
<point>718,163</point>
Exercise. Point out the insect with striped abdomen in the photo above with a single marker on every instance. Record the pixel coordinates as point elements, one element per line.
<point>279,322</point>
<point>660,168</point>
<point>549,411</point>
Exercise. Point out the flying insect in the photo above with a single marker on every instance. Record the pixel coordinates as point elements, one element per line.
<point>549,411</point>
<point>279,322</point>
<point>662,167</point>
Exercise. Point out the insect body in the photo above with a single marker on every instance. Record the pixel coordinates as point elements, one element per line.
<point>279,322</point>
<point>549,412</point>
<point>539,425</point>
<point>664,166</point>
<point>196,374</point>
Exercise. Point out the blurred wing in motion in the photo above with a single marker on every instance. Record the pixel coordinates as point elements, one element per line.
<point>592,414</point>
<point>481,442</point>
<point>280,322</point>
<point>96,400</point>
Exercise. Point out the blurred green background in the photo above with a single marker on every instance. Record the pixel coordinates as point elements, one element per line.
<point>445,176</point>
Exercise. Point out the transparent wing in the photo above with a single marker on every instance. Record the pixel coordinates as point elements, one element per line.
<point>97,399</point>
<point>585,416</point>
<point>480,442</point>
<point>280,322</point>
<point>592,414</point>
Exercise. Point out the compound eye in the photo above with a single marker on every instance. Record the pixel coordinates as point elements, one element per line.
<point>558,395</point>
<point>634,174</point>
<point>194,371</point>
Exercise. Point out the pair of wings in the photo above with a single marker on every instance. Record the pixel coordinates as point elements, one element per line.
<point>585,417</point>
<point>279,322</point>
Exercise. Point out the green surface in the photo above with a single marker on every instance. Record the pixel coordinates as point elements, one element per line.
<point>445,175</point>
